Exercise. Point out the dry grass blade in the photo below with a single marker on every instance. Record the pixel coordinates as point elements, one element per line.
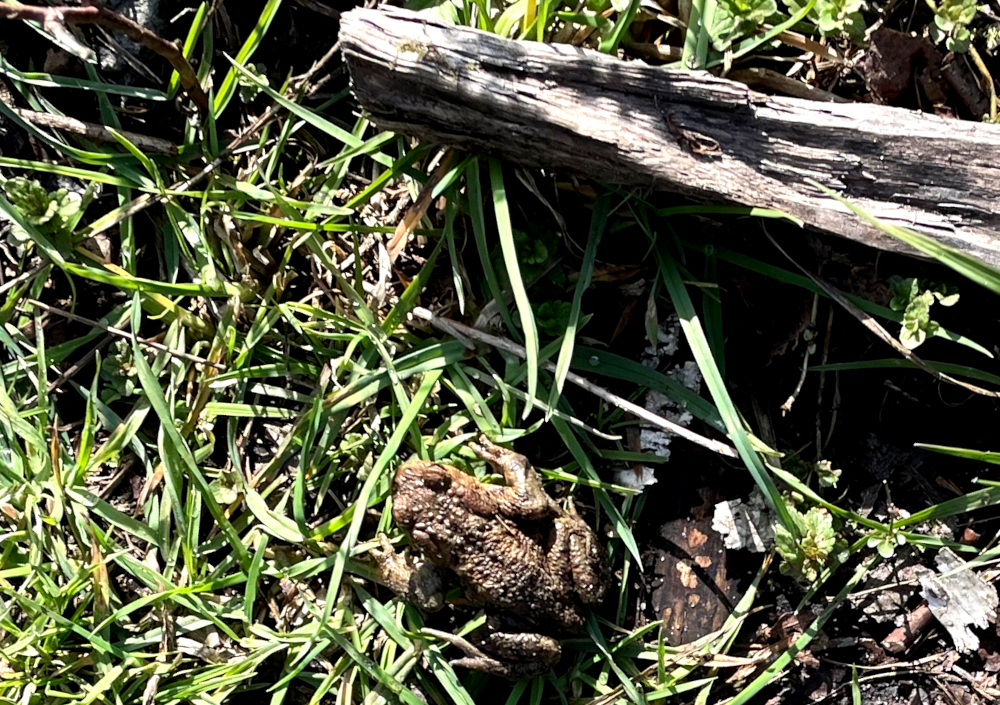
<point>419,208</point>
<point>874,326</point>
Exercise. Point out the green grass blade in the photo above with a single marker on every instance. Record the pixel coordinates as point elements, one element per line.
<point>601,362</point>
<point>621,527</point>
<point>965,264</point>
<point>320,123</point>
<point>525,314</point>
<point>899,364</point>
<point>690,58</point>
<point>711,306</point>
<point>748,45</point>
<point>176,444</point>
<point>229,84</point>
<point>713,380</point>
<point>784,275</point>
<point>745,696</point>
<point>598,223</point>
<point>387,455</point>
<point>983,456</point>
<point>609,44</point>
<point>478,217</point>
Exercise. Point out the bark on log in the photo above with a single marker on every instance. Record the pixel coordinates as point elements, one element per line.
<point>627,123</point>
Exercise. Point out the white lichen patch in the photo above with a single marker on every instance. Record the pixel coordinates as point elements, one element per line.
<point>959,598</point>
<point>746,525</point>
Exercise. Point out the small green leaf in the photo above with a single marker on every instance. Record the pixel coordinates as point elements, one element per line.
<point>951,24</point>
<point>828,475</point>
<point>733,19</point>
<point>835,17</point>
<point>915,297</point>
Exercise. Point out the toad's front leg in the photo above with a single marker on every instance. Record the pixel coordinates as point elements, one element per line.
<point>523,497</point>
<point>418,582</point>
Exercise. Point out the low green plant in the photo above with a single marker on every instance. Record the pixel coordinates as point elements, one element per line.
<point>551,317</point>
<point>817,546</point>
<point>119,373</point>
<point>886,542</point>
<point>951,23</point>
<point>823,470</point>
<point>534,247</point>
<point>736,18</point>
<point>50,212</point>
<point>249,88</point>
<point>835,17</point>
<point>828,475</point>
<point>914,297</point>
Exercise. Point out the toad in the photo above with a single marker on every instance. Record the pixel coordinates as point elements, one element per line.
<point>531,564</point>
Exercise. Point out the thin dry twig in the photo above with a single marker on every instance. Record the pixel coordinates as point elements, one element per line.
<point>822,383</point>
<point>801,41</point>
<point>124,334</point>
<point>55,20</point>
<point>787,406</point>
<point>24,276</point>
<point>987,81</point>
<point>319,9</point>
<point>73,369</point>
<point>914,624</point>
<point>759,77</point>
<point>876,328</point>
<point>466,334</point>
<point>97,133</point>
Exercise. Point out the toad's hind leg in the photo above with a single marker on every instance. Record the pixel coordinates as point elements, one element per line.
<point>513,655</point>
<point>523,497</point>
<point>575,553</point>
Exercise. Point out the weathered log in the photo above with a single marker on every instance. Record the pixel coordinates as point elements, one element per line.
<point>627,123</point>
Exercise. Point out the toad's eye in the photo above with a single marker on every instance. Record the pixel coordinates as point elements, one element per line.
<point>437,481</point>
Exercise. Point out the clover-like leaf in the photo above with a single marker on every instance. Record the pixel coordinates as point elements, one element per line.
<point>915,297</point>
<point>828,475</point>
<point>531,249</point>
<point>835,17</point>
<point>47,211</point>
<point>735,18</point>
<point>951,24</point>
<point>250,88</point>
<point>886,543</point>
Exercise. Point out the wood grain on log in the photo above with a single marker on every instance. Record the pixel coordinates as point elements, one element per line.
<point>627,123</point>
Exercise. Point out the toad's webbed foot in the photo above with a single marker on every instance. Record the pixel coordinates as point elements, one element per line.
<point>420,583</point>
<point>513,655</point>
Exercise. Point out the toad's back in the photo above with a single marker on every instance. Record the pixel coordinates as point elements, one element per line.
<point>455,521</point>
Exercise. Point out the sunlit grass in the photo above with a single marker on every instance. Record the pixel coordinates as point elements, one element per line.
<point>265,377</point>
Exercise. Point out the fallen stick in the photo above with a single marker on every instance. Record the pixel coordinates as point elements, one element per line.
<point>626,123</point>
